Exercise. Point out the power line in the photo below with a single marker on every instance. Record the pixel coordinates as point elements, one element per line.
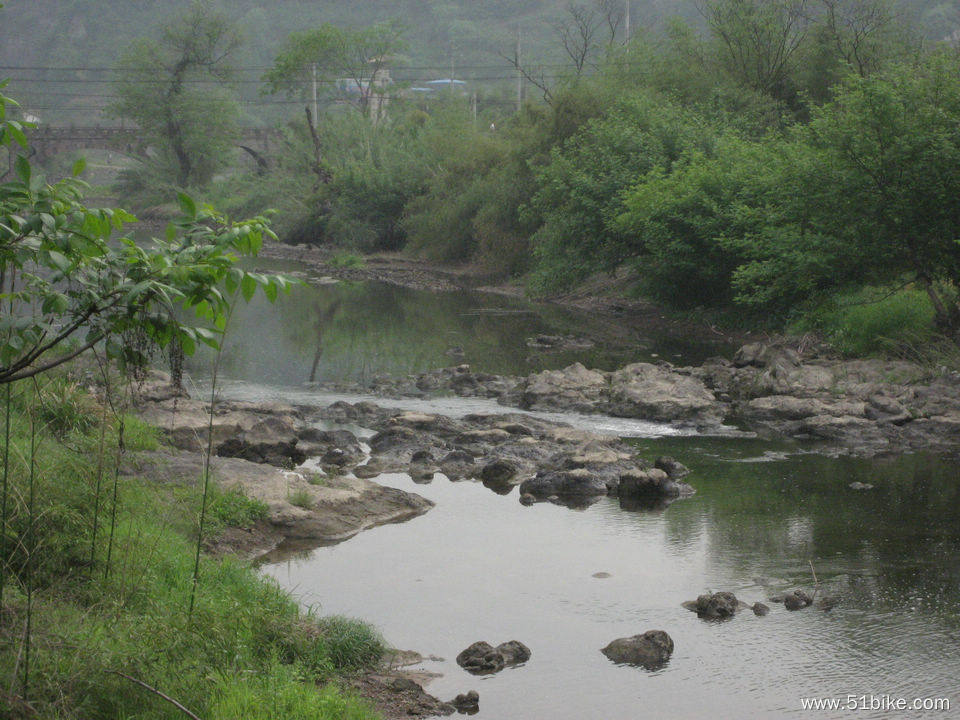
<point>259,68</point>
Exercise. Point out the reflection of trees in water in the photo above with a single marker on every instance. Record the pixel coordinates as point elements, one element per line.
<point>896,543</point>
<point>353,330</point>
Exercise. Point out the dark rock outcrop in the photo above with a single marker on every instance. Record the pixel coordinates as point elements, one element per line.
<point>482,658</point>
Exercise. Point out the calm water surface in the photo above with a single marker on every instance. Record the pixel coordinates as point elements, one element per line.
<point>353,331</point>
<point>480,566</point>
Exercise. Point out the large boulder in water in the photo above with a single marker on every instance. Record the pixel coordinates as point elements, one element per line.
<point>651,484</point>
<point>578,482</point>
<point>650,650</point>
<point>660,394</point>
<point>573,388</point>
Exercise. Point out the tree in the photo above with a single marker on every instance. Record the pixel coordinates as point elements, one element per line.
<point>176,91</point>
<point>866,194</point>
<point>339,60</point>
<point>68,283</point>
<point>759,40</point>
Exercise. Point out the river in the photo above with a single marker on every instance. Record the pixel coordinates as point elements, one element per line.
<point>480,566</point>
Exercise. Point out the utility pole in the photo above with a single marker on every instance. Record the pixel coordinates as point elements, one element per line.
<point>315,108</point>
<point>627,24</point>
<point>519,75</point>
<point>473,105</point>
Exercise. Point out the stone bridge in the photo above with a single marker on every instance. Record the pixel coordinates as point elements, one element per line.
<point>48,141</point>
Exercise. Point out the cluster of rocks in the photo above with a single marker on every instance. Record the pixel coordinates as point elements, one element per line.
<point>724,605</point>
<point>257,446</point>
<point>547,460</point>
<point>482,658</point>
<point>859,406</point>
<point>856,406</point>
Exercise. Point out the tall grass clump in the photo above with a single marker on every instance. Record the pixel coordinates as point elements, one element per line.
<point>874,321</point>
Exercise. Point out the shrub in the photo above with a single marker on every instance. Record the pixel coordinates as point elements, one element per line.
<point>872,320</point>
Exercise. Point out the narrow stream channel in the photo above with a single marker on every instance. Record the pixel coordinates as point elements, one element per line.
<point>480,566</point>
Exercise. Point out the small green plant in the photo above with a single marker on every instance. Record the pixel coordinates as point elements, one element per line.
<point>346,260</point>
<point>301,498</point>
<point>234,508</point>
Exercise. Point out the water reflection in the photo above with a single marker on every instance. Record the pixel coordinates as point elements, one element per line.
<point>352,331</point>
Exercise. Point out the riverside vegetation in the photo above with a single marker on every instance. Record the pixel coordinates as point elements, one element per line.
<point>785,165</point>
<point>108,608</point>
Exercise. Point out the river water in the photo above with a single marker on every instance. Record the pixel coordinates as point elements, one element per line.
<point>480,566</point>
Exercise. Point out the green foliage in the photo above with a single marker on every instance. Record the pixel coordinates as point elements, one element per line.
<point>278,694</point>
<point>175,91</point>
<point>346,260</point>
<point>580,190</point>
<point>330,54</point>
<point>71,281</point>
<point>234,508</point>
<point>301,498</point>
<point>246,644</point>
<point>866,196</point>
<point>874,321</point>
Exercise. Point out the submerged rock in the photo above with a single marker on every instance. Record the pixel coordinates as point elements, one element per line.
<point>759,609</point>
<point>674,470</point>
<point>650,650</point>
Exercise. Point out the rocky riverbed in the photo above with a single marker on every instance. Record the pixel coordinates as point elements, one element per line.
<point>857,407</point>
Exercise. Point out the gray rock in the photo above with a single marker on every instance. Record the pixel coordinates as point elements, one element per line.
<point>759,609</point>
<point>564,483</point>
<point>514,652</point>
<point>651,650</point>
<point>675,470</point>
<point>652,392</point>
<point>499,471</point>
<point>717,606</point>
<point>481,658</point>
<point>467,703</point>
<point>651,484</point>
<point>797,600</point>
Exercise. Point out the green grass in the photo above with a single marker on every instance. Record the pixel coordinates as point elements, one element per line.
<point>874,321</point>
<point>247,651</point>
<point>233,508</point>
<point>346,260</point>
<point>301,498</point>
